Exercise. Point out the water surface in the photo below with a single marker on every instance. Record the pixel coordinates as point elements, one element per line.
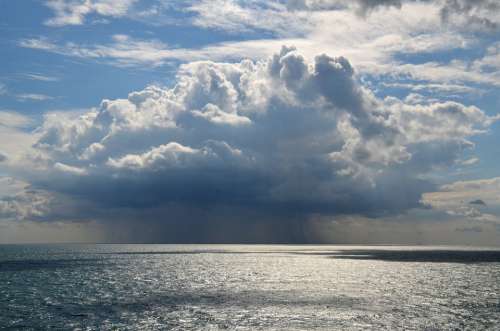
<point>248,287</point>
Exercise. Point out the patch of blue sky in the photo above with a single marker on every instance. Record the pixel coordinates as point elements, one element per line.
<point>443,56</point>
<point>84,82</point>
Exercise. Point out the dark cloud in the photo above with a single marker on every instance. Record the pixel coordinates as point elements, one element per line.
<point>365,6</point>
<point>476,229</point>
<point>362,7</point>
<point>242,148</point>
<point>3,157</point>
<point>477,202</point>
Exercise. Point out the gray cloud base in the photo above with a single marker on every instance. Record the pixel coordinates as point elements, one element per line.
<point>250,143</point>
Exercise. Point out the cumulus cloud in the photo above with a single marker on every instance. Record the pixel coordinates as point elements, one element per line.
<point>283,136</point>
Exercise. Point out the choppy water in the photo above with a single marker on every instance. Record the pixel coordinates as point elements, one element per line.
<point>194,287</point>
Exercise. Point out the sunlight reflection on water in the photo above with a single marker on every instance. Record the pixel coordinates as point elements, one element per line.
<point>190,287</point>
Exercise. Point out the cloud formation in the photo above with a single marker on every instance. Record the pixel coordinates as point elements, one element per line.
<point>283,136</point>
<point>477,14</point>
<point>474,200</point>
<point>398,51</point>
<point>18,202</point>
<point>73,12</point>
<point>245,138</point>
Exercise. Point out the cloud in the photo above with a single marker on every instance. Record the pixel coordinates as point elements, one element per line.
<point>15,135</point>
<point>18,202</point>
<point>13,119</point>
<point>386,53</point>
<point>294,17</point>
<point>478,14</point>
<point>476,200</point>
<point>437,90</point>
<point>69,169</point>
<point>33,97</point>
<point>362,7</point>
<point>264,142</point>
<point>40,77</point>
<point>73,12</point>
<point>15,142</point>
<point>276,139</point>
<point>24,96</point>
<point>124,51</point>
<point>471,161</point>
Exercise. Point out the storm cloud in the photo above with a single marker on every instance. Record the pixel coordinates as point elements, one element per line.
<point>255,142</point>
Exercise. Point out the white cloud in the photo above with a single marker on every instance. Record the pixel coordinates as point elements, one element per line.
<point>73,12</point>
<point>458,199</point>
<point>475,15</point>
<point>471,161</point>
<point>14,120</point>
<point>174,155</point>
<point>374,42</point>
<point>14,143</point>
<point>23,96</point>
<point>213,114</point>
<point>438,90</point>
<point>40,77</point>
<point>124,51</point>
<point>10,186</point>
<point>26,204</point>
<point>238,17</point>
<point>69,169</point>
<point>33,97</point>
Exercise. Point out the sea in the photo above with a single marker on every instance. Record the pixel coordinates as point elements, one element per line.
<point>248,287</point>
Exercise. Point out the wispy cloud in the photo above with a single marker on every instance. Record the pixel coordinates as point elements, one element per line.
<point>14,120</point>
<point>23,96</point>
<point>3,89</point>
<point>40,77</point>
<point>414,28</point>
<point>123,51</point>
<point>73,12</point>
<point>33,97</point>
<point>471,161</point>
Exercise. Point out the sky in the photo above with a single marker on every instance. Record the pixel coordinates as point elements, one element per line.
<point>225,121</point>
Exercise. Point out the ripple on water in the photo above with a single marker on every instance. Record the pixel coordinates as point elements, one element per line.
<point>154,287</point>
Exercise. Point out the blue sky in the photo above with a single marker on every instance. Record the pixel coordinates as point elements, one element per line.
<point>208,117</point>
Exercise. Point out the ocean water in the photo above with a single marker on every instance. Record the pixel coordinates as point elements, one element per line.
<point>248,287</point>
